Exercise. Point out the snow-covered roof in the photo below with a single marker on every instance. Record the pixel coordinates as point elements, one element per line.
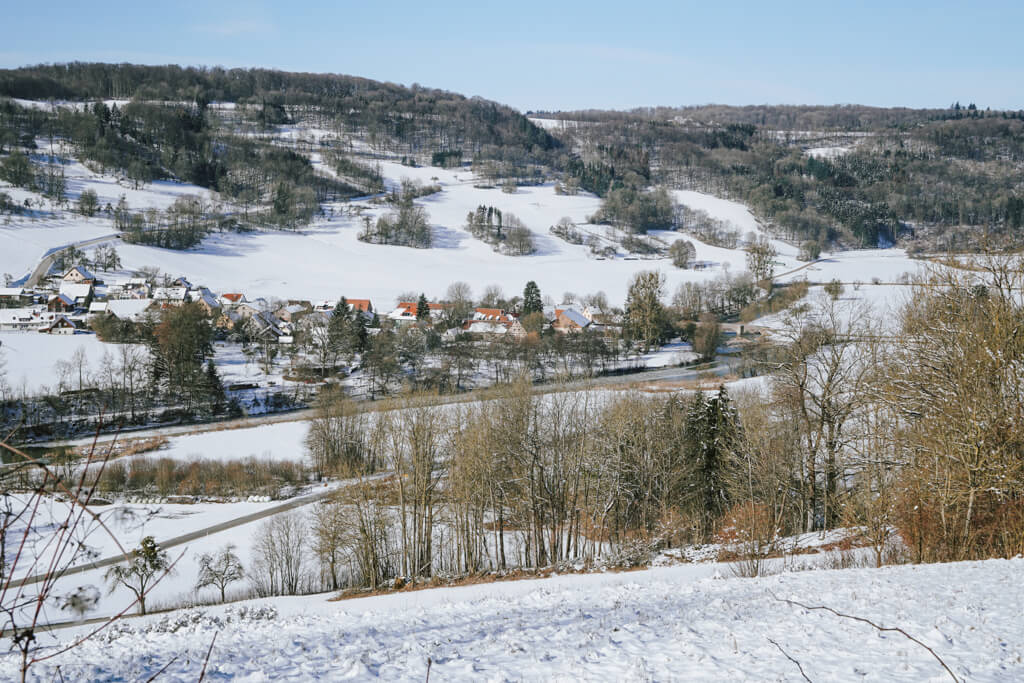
<point>493,314</point>
<point>74,290</point>
<point>128,309</point>
<point>12,291</point>
<point>170,293</point>
<point>16,316</point>
<point>81,272</point>
<point>485,327</point>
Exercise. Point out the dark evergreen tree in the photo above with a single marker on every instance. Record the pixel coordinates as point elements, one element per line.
<point>215,388</point>
<point>531,299</point>
<point>710,431</point>
<point>423,309</point>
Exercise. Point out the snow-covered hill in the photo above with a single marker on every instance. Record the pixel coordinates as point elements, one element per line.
<point>686,623</point>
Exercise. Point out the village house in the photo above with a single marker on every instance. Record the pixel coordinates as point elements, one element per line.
<point>267,328</point>
<point>406,311</point>
<point>14,297</point>
<point>495,328</point>
<point>63,325</point>
<point>364,306</point>
<point>232,299</point>
<point>170,296</point>
<point>79,292</point>
<point>60,303</point>
<point>293,311</point>
<point>228,319</point>
<point>132,288</point>
<point>570,320</point>
<point>206,300</point>
<point>23,319</point>
<point>79,275</point>
<point>498,315</point>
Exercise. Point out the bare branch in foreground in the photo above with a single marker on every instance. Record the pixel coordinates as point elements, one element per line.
<point>790,658</point>
<point>873,625</point>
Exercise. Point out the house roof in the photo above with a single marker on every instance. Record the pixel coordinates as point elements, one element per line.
<point>128,309</point>
<point>75,290</point>
<point>485,327</point>
<point>170,293</point>
<point>64,299</point>
<point>81,271</point>
<point>233,297</point>
<point>61,321</point>
<point>206,296</point>
<point>408,309</point>
<point>12,291</point>
<point>13,316</point>
<point>363,305</point>
<point>495,314</point>
<point>574,316</point>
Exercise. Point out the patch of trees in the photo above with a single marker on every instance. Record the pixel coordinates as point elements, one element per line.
<point>182,225</point>
<point>45,176</point>
<point>504,232</point>
<point>447,159</point>
<point>407,226</point>
<point>682,253</point>
<point>633,209</point>
<point>614,165</point>
<point>368,180</point>
<point>723,296</point>
<point>154,476</point>
<point>565,229</point>
<point>182,342</point>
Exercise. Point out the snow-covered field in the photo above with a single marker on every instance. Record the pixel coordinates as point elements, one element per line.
<point>686,622</point>
<point>25,239</point>
<point>33,359</point>
<point>280,441</point>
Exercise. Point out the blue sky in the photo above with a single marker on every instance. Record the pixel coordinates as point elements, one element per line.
<point>568,55</point>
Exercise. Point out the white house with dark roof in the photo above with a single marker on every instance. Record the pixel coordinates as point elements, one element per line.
<point>78,274</point>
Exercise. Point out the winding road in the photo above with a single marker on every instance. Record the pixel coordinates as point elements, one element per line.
<point>43,267</point>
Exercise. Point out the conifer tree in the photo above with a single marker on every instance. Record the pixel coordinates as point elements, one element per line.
<point>422,309</point>
<point>531,299</point>
<point>711,434</point>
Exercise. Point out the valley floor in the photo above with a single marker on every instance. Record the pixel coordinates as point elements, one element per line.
<point>685,622</point>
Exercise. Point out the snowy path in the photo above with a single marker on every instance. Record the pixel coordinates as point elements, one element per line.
<point>677,623</point>
<point>169,543</point>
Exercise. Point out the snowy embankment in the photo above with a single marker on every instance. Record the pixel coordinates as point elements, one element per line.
<point>685,622</point>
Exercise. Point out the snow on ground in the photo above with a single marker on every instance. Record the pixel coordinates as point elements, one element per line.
<point>25,239</point>
<point>675,353</point>
<point>877,304</point>
<point>686,622</point>
<point>178,586</point>
<point>326,260</point>
<point>731,212</point>
<point>279,441</point>
<point>130,523</point>
<point>862,265</point>
<point>32,358</point>
<point>828,153</point>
